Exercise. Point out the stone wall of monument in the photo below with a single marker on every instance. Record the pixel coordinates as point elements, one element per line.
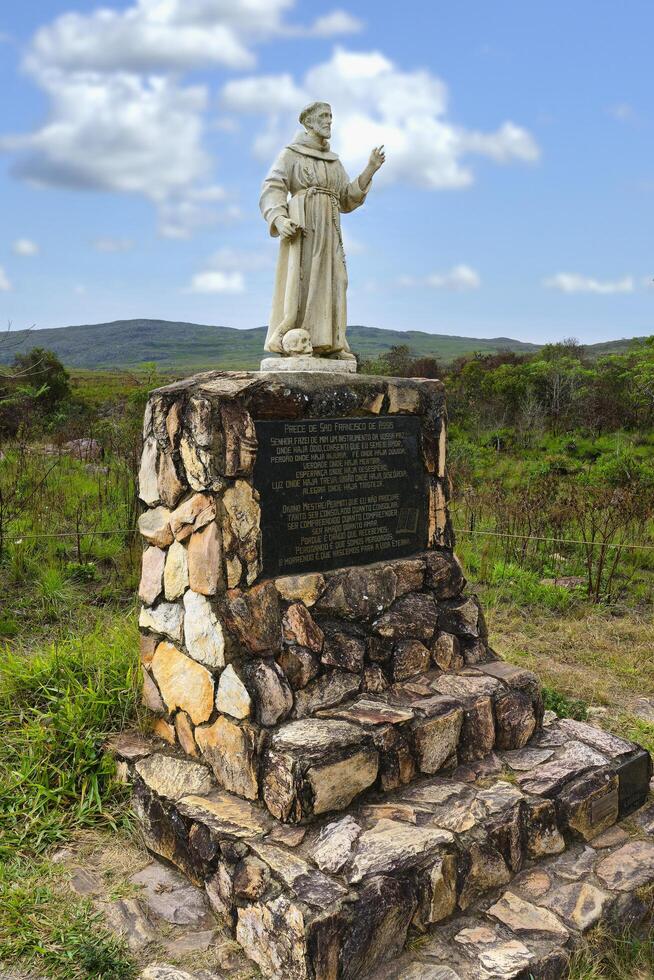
<point>231,655</point>
<point>312,657</point>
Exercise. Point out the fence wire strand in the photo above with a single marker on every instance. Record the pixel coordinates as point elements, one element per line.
<point>536,537</point>
<point>18,539</point>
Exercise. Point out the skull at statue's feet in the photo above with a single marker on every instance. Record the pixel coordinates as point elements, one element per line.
<point>297,342</point>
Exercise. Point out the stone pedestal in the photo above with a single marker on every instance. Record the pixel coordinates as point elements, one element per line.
<point>307,363</point>
<point>261,674</point>
<point>346,756</point>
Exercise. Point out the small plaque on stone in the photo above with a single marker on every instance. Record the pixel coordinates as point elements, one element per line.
<point>339,491</point>
<point>602,808</point>
<point>634,776</point>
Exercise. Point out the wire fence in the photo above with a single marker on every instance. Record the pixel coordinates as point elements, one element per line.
<point>537,537</point>
<point>19,538</point>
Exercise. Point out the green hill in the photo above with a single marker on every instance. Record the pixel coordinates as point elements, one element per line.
<point>193,346</point>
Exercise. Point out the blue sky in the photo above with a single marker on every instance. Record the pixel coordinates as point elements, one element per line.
<point>516,201</point>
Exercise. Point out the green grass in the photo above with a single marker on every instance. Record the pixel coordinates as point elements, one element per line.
<point>55,592</point>
<point>564,706</point>
<point>510,583</point>
<point>57,707</point>
<point>45,580</point>
<point>42,926</point>
<point>636,730</point>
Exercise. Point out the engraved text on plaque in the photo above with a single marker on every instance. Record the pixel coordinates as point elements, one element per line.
<point>338,492</point>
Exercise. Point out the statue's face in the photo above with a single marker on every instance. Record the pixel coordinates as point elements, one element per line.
<point>321,122</point>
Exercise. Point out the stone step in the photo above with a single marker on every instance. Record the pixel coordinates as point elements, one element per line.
<point>321,762</point>
<point>419,727</point>
<point>335,900</point>
<point>529,930</point>
<point>223,673</point>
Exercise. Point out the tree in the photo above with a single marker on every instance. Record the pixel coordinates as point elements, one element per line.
<point>398,360</point>
<point>426,367</point>
<point>42,370</point>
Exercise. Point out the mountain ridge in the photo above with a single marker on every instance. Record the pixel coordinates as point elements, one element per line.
<point>176,345</point>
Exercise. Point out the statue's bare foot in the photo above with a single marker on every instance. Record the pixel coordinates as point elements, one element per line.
<point>274,345</point>
<point>342,355</point>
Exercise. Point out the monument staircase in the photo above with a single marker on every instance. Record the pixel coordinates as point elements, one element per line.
<point>362,786</point>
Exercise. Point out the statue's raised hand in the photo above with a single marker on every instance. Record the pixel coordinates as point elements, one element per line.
<point>377,158</point>
<point>286,227</point>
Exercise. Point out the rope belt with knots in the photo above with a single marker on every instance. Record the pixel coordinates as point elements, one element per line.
<point>335,199</point>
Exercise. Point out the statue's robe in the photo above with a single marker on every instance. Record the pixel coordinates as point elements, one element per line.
<point>310,186</point>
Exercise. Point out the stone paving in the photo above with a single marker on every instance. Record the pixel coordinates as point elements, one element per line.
<point>530,929</point>
<point>165,920</point>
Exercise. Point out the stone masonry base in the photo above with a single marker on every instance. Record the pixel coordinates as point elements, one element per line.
<point>342,760</point>
<point>501,865</point>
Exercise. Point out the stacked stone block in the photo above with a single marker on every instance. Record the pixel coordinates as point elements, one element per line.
<point>246,671</point>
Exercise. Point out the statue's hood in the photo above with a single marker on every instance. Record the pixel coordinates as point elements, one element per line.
<point>310,145</point>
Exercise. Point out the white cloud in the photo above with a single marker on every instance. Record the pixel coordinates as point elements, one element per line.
<point>121,133</point>
<point>194,207</point>
<point>225,270</point>
<point>25,247</point>
<point>121,119</point>
<point>376,102</point>
<point>227,258</point>
<point>276,92</point>
<point>126,134</point>
<point>113,245</point>
<point>149,36</point>
<point>173,35</point>
<point>5,284</point>
<point>215,281</point>
<point>337,22</point>
<point>572,282</point>
<point>460,279</point>
<point>509,142</point>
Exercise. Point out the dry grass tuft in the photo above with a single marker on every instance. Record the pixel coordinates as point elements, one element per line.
<point>603,659</point>
<point>589,654</point>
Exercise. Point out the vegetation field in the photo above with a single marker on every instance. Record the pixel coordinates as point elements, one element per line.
<point>552,468</point>
<point>190,347</point>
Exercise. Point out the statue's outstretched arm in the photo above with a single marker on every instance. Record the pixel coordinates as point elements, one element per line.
<point>377,158</point>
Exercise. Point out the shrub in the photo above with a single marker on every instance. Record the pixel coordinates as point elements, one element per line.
<point>564,706</point>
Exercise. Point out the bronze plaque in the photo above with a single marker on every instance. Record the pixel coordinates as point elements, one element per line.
<point>338,492</point>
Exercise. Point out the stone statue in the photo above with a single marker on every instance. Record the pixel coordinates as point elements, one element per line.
<point>302,199</point>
